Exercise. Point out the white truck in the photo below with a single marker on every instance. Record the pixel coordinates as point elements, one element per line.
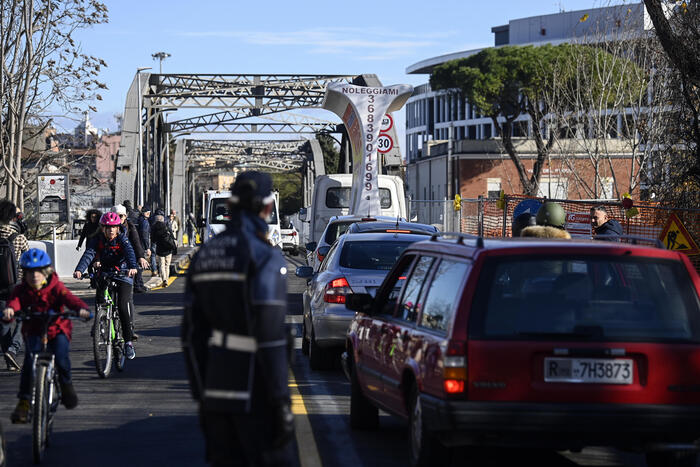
<point>216,215</point>
<point>331,197</point>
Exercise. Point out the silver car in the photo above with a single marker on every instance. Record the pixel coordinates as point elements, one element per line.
<point>355,263</point>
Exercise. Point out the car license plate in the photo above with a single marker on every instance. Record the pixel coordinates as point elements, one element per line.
<point>589,370</point>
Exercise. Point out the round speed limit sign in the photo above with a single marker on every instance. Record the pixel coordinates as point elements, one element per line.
<point>387,123</point>
<point>385,144</point>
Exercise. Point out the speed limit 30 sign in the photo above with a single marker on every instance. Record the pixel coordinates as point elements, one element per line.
<point>384,143</point>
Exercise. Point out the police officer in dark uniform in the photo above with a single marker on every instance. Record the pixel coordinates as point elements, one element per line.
<point>234,335</point>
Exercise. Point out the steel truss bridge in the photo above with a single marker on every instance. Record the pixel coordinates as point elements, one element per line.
<point>245,105</point>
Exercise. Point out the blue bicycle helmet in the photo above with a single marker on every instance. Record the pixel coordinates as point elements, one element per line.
<point>34,258</point>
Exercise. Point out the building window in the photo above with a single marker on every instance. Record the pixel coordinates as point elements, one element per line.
<point>553,187</point>
<point>493,187</point>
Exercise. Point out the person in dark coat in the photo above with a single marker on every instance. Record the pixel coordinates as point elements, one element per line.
<point>91,227</point>
<point>604,227</point>
<point>162,237</point>
<point>234,336</point>
<point>132,234</point>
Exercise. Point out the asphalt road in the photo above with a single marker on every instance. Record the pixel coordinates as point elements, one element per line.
<point>145,416</point>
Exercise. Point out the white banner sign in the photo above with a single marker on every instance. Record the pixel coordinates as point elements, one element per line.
<point>363,109</point>
<point>578,224</point>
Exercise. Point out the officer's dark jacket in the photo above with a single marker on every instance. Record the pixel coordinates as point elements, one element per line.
<point>233,328</point>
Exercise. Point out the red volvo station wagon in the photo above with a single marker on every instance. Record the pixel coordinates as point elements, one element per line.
<point>530,342</point>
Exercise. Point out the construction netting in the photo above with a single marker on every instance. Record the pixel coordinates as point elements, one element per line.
<point>491,217</point>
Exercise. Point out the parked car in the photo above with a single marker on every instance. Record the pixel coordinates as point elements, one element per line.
<point>336,227</point>
<point>354,264</point>
<point>541,343</point>
<point>395,226</point>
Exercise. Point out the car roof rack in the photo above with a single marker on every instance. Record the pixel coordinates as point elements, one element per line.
<point>479,241</point>
<point>634,239</point>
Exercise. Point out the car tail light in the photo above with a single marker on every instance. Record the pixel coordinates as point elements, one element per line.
<point>397,231</point>
<point>455,367</point>
<point>293,234</point>
<point>320,256</point>
<point>336,290</point>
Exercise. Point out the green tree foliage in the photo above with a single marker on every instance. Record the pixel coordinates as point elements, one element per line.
<point>289,187</point>
<point>331,155</point>
<point>507,82</point>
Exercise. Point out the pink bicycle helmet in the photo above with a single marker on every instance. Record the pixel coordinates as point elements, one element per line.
<point>110,218</point>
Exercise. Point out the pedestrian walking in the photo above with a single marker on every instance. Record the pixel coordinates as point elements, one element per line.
<point>604,227</point>
<point>175,225</point>
<point>234,338</point>
<point>91,227</point>
<point>143,227</point>
<point>12,245</point>
<point>191,230</point>
<point>162,237</point>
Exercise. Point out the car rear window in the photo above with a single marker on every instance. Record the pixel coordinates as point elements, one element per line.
<point>375,255</point>
<point>335,230</point>
<point>587,298</point>
<point>339,197</point>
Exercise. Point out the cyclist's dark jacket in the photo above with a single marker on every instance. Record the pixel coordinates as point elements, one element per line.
<point>117,254</point>
<point>233,328</point>
<point>53,296</point>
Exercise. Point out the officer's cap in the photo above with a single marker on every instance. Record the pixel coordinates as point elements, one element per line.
<point>251,188</point>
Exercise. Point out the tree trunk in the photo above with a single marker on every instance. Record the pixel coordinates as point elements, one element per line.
<point>506,138</point>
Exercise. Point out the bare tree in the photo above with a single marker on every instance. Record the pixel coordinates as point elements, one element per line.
<point>608,100</point>
<point>43,68</point>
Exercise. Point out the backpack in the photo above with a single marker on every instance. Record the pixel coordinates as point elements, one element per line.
<point>8,265</point>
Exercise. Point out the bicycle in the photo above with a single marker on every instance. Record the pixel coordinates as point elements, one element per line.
<point>46,392</point>
<point>107,337</point>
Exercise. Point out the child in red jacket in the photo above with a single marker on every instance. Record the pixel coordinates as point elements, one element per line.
<point>42,290</point>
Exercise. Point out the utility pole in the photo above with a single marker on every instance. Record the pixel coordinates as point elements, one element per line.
<point>160,56</point>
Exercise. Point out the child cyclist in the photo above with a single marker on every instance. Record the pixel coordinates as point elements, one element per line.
<point>112,252</point>
<point>42,290</point>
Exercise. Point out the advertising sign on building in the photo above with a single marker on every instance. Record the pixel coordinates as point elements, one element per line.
<point>363,109</point>
<point>53,196</point>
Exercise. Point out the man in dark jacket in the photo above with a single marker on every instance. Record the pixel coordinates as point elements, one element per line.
<point>234,335</point>
<point>604,227</point>
<point>162,238</point>
<point>144,228</point>
<point>133,235</point>
<point>91,227</point>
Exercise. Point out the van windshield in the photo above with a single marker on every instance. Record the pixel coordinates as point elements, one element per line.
<point>218,211</point>
<point>589,297</point>
<point>339,197</point>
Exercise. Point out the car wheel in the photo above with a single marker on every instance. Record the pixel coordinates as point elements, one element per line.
<point>672,459</point>
<point>318,357</point>
<point>304,340</point>
<point>425,450</point>
<point>363,415</point>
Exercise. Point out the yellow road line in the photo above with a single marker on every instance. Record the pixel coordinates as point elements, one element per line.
<point>171,279</point>
<point>306,443</point>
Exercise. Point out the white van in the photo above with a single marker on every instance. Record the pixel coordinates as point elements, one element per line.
<point>331,197</point>
<point>217,215</point>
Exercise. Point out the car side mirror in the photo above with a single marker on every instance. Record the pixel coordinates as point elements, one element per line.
<point>305,272</point>
<point>311,246</point>
<point>302,214</point>
<point>323,251</point>
<point>360,302</point>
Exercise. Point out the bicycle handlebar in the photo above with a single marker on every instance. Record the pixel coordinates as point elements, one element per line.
<point>27,314</point>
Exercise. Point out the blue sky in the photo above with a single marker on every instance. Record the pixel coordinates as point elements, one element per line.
<point>271,36</point>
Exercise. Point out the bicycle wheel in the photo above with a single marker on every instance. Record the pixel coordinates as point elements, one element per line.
<point>40,414</point>
<point>102,341</point>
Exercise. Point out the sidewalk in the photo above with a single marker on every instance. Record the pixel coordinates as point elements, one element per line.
<point>82,289</point>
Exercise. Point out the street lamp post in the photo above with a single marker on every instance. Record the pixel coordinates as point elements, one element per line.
<point>139,162</point>
<point>160,56</point>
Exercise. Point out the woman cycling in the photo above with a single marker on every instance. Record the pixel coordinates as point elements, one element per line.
<point>112,253</point>
<point>43,291</point>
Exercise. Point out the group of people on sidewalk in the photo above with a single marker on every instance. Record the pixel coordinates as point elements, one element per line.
<point>153,238</point>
